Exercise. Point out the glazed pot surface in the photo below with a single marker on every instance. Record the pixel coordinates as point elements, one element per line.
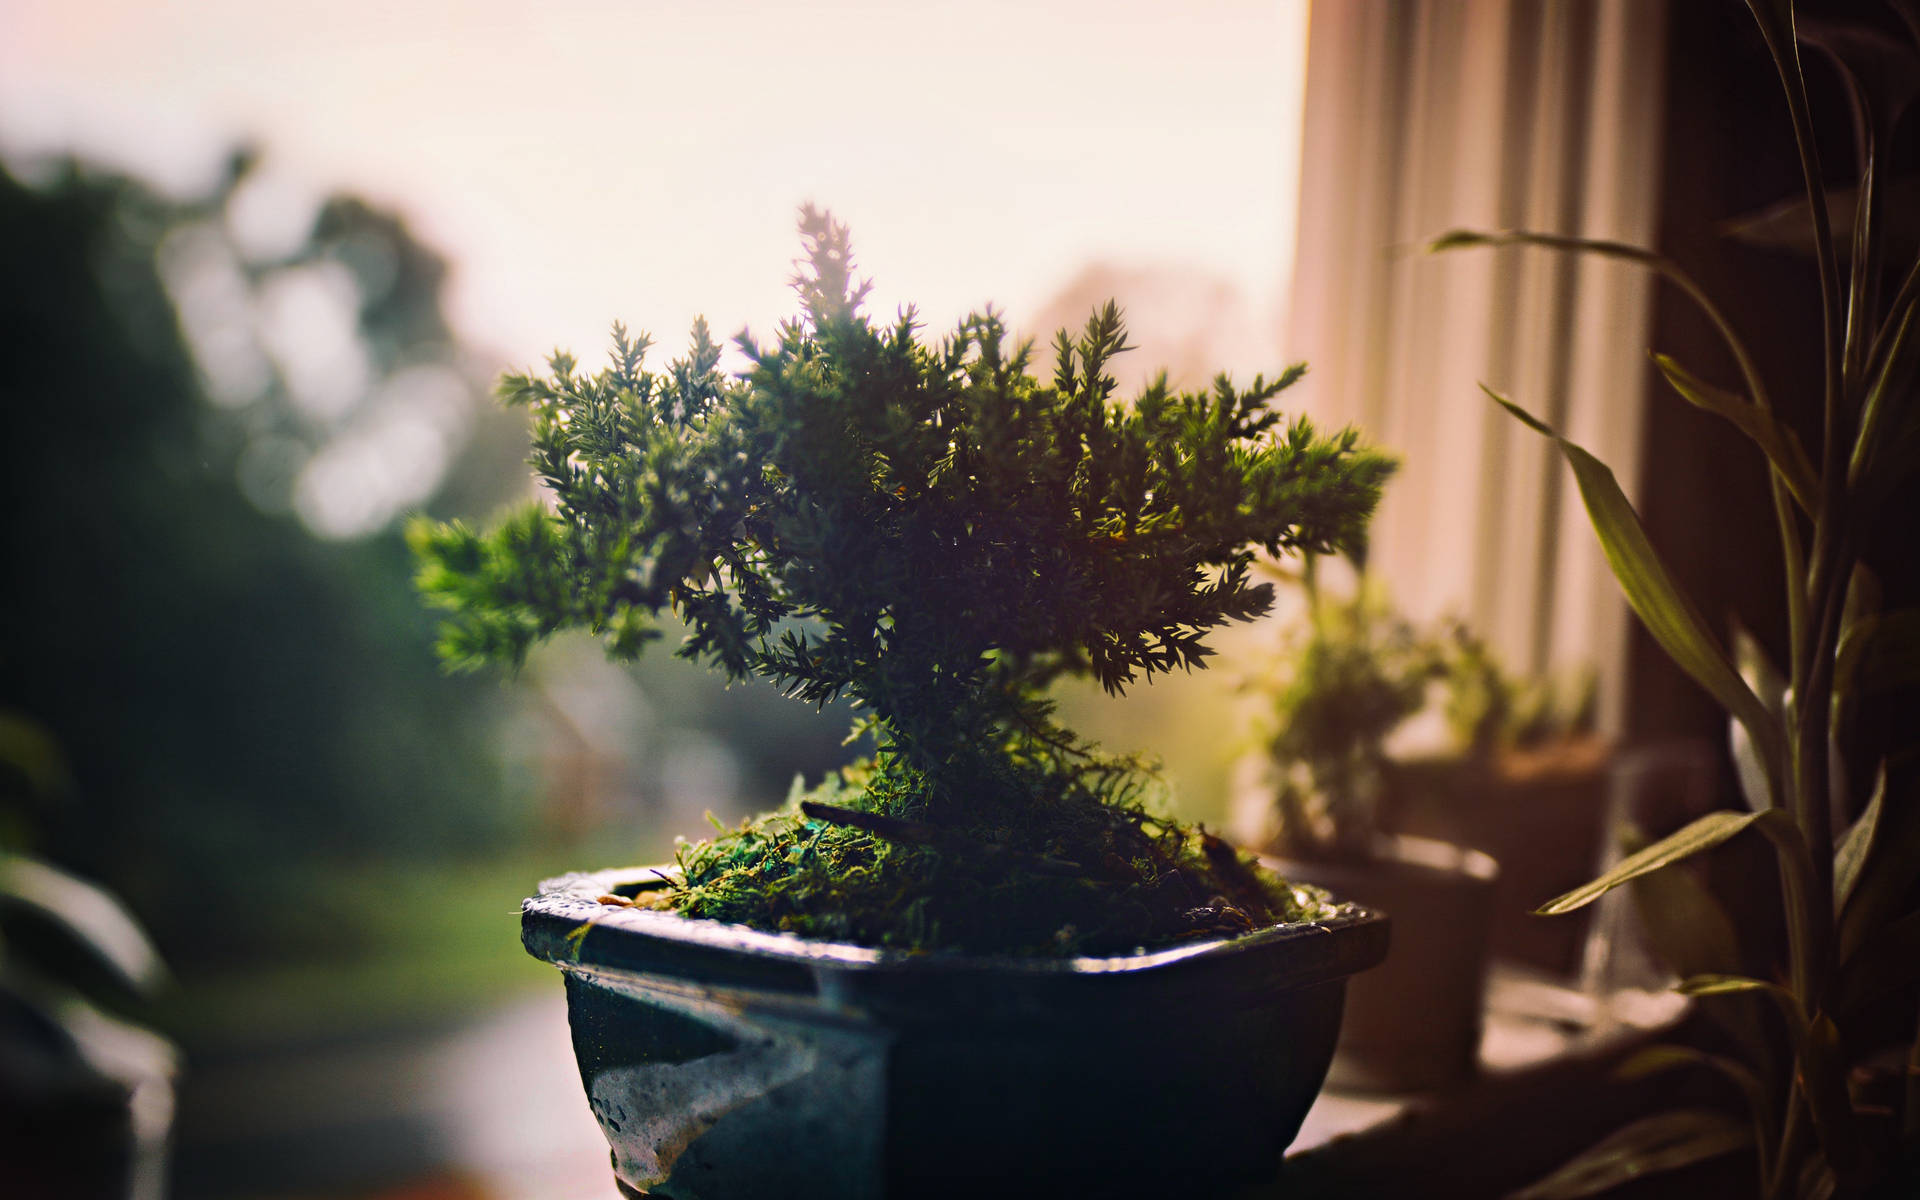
<point>724,1062</point>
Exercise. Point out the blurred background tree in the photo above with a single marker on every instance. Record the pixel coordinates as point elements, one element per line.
<point>213,428</point>
<point>242,700</point>
<point>214,423</point>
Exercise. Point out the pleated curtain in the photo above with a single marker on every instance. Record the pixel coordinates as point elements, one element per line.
<point>1426,115</point>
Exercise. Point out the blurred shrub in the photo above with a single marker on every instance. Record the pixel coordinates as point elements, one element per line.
<point>242,701</point>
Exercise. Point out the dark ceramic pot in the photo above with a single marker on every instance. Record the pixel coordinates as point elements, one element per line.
<point>723,1062</point>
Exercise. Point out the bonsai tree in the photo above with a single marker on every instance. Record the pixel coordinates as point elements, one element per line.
<point>1835,1095</point>
<point>929,530</point>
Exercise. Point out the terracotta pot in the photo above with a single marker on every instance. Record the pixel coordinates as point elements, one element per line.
<point>725,1062</point>
<point>1414,1023</point>
<point>1539,813</point>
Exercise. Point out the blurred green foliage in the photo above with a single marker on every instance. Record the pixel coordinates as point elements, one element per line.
<point>1351,674</point>
<point>241,701</point>
<point>1349,677</point>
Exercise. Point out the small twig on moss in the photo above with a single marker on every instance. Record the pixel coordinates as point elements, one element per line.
<point>900,829</point>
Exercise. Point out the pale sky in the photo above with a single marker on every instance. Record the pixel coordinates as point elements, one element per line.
<point>582,161</point>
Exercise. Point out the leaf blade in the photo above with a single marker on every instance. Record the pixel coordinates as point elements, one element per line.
<point>1652,592</point>
<point>1879,653</point>
<point>1699,835</point>
<point>87,917</point>
<point>1462,239</point>
<point>1851,854</point>
<point>1663,1142</point>
<point>1691,934</point>
<point>1652,1060</point>
<point>1730,985</point>
<point>1823,1077</point>
<point>1872,446</point>
<point>1720,985</point>
<point>1885,879</point>
<point>1779,443</point>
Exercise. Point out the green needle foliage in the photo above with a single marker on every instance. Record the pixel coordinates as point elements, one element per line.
<point>927,529</point>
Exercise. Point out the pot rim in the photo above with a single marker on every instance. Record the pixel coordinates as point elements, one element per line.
<point>567,925</point>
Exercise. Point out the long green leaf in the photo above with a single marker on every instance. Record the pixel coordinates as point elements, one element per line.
<point>1863,262</point>
<point>1462,239</point>
<point>1750,771</point>
<point>1691,934</point>
<point>1775,19</point>
<point>1823,1076</point>
<point>1851,854</point>
<point>1730,985</point>
<point>1780,444</point>
<point>101,1037</point>
<point>1665,610</point>
<point>1886,879</point>
<point>1908,292</point>
<point>1882,76</point>
<point>1766,680</point>
<point>1858,617</point>
<point>1718,985</point>
<point>1750,659</point>
<point>1703,834</point>
<point>27,748</point>
<point>1664,1142</point>
<point>86,917</point>
<point>1659,264</point>
<point>1879,653</point>
<point>1657,1058</point>
<point>1816,1180</point>
<point>1865,473</point>
<point>1687,926</point>
<point>1652,1060</point>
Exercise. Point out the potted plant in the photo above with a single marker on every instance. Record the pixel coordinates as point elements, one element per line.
<point>1832,1079</point>
<point>1350,676</point>
<point>976,957</point>
<point>1521,775</point>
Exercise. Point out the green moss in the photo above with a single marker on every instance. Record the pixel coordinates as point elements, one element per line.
<point>1087,867</point>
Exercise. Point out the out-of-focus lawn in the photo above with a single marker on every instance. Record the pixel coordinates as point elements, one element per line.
<point>427,1057</point>
<point>424,945</point>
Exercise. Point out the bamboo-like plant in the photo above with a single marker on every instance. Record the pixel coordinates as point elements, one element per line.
<point>1852,926</point>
